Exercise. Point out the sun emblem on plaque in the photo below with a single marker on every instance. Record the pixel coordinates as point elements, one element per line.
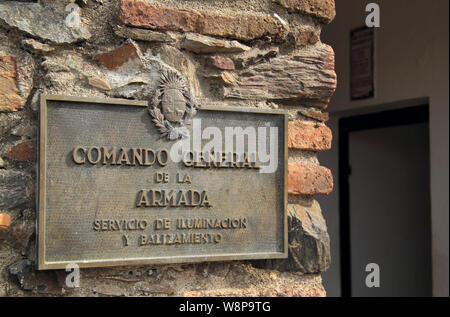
<point>172,107</point>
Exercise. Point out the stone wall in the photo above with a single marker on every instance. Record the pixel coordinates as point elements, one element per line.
<point>254,53</point>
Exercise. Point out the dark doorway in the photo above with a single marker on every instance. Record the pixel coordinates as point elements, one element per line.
<point>384,200</point>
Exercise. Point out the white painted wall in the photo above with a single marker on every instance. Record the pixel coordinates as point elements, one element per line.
<point>411,61</point>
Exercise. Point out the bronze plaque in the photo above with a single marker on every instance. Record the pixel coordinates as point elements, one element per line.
<point>115,190</point>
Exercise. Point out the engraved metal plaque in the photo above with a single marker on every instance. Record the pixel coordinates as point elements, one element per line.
<point>113,192</point>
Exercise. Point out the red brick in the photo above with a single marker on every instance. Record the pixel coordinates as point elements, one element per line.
<point>116,58</point>
<point>5,221</point>
<point>25,151</point>
<point>243,25</point>
<point>220,62</point>
<point>306,179</point>
<point>10,100</point>
<point>323,10</point>
<point>305,37</point>
<point>305,135</point>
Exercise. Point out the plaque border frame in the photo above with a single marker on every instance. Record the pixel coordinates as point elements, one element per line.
<point>42,264</point>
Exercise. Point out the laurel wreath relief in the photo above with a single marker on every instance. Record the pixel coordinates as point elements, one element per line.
<point>167,129</point>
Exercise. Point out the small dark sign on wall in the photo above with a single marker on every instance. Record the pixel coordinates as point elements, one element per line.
<point>361,63</point>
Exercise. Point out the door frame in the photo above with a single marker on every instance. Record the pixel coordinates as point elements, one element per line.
<point>382,119</point>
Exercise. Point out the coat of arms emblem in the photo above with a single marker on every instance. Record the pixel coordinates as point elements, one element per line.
<point>172,106</point>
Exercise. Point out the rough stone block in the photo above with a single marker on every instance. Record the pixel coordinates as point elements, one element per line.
<point>309,242</point>
<point>304,37</point>
<point>44,282</point>
<point>201,44</point>
<point>16,79</point>
<point>314,114</point>
<point>10,100</point>
<point>13,190</point>
<point>306,77</point>
<point>37,47</point>
<point>223,63</point>
<point>323,10</point>
<point>40,21</point>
